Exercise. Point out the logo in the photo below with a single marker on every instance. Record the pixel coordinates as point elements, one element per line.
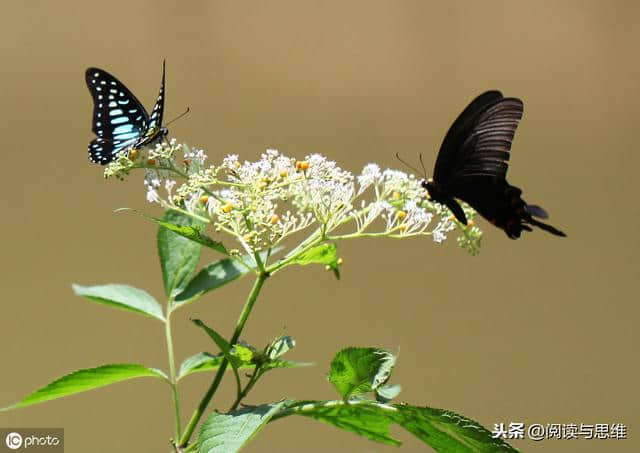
<point>13,441</point>
<point>34,439</point>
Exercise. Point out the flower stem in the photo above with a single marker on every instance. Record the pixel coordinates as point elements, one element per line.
<point>246,311</point>
<point>172,372</point>
<point>310,242</point>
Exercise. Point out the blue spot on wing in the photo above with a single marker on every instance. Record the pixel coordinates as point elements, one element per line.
<point>123,129</point>
<point>127,136</point>
<point>119,120</point>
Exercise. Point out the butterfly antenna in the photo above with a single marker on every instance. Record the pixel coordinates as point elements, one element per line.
<point>424,171</point>
<point>178,117</point>
<point>407,164</point>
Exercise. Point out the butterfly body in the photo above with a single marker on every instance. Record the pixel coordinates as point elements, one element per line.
<point>472,166</point>
<point>120,121</point>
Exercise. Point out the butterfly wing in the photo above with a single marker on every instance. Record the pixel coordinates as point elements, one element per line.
<point>485,150</point>
<point>448,156</point>
<point>153,129</point>
<point>118,116</point>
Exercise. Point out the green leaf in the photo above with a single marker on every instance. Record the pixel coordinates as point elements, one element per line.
<point>122,296</point>
<point>326,254</point>
<point>223,344</point>
<point>194,234</point>
<point>225,348</point>
<point>445,431</point>
<point>86,379</point>
<point>360,370</point>
<point>242,353</point>
<point>370,420</point>
<point>214,276</point>
<point>227,433</point>
<point>285,364</point>
<point>179,255</point>
<point>190,232</point>
<point>202,361</point>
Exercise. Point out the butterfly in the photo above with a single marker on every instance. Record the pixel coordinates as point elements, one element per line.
<point>472,166</point>
<point>119,119</point>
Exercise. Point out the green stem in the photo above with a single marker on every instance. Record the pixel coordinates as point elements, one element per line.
<point>172,372</point>
<point>246,311</point>
<point>309,243</point>
<point>192,447</point>
<point>241,395</point>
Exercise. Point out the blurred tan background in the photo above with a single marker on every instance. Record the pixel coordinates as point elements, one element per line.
<point>539,330</point>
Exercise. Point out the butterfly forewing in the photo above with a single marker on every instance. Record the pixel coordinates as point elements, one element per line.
<point>486,149</point>
<point>115,108</point>
<point>458,133</point>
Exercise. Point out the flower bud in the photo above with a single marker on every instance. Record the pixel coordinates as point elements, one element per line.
<point>204,199</point>
<point>302,165</point>
<point>227,208</point>
<point>151,161</point>
<point>274,219</point>
<point>401,215</point>
<point>133,154</point>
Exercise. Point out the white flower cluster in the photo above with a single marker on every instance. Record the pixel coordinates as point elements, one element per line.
<point>261,203</point>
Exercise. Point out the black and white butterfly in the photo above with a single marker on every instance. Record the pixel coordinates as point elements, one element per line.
<point>472,166</point>
<point>119,119</point>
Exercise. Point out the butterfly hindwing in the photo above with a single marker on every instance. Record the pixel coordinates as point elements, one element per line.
<point>155,119</point>
<point>102,151</point>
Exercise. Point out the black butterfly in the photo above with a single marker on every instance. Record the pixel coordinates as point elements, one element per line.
<point>472,166</point>
<point>119,119</point>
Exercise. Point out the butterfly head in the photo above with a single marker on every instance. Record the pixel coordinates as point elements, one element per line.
<point>433,188</point>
